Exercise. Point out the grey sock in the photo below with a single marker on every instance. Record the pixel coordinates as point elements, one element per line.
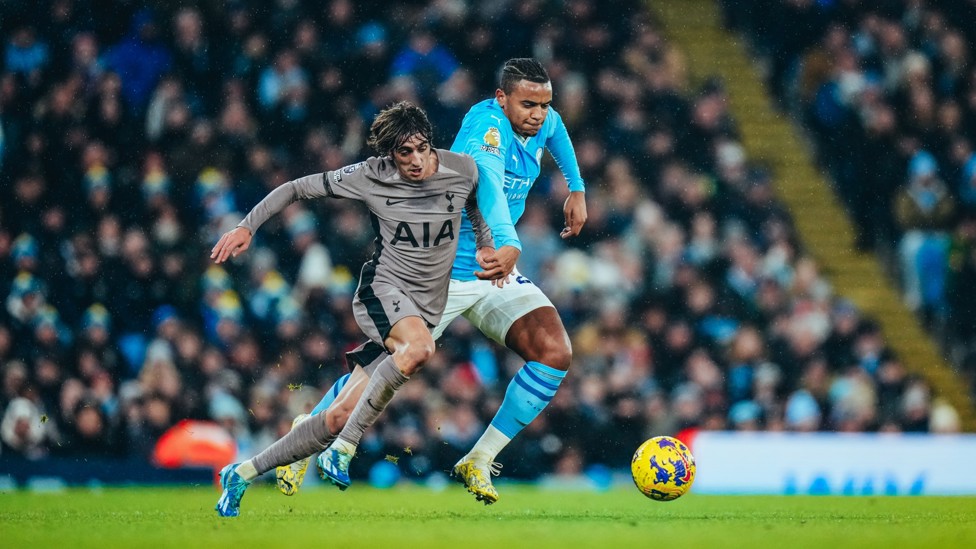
<point>382,386</point>
<point>307,438</point>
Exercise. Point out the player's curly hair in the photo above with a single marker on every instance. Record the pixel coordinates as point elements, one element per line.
<point>397,123</point>
<point>521,68</point>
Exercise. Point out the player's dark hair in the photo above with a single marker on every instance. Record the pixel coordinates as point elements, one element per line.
<point>397,123</point>
<point>521,68</point>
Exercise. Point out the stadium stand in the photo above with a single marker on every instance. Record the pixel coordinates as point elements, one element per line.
<point>887,91</point>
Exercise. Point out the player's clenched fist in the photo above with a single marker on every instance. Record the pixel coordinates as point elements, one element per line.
<point>231,244</point>
<point>497,264</point>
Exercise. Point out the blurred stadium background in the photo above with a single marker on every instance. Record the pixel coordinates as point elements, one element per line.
<point>782,235</point>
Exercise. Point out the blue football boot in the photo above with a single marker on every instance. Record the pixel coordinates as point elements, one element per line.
<point>229,504</point>
<point>333,466</point>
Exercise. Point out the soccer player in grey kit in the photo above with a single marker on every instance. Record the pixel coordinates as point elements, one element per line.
<point>415,195</point>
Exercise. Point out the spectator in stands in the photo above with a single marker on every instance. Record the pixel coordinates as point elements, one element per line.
<point>89,434</point>
<point>283,94</point>
<point>26,56</point>
<point>424,60</point>
<point>923,210</point>
<point>140,60</point>
<point>21,430</point>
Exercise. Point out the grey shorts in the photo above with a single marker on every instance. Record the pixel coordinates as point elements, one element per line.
<point>380,307</point>
<point>376,311</point>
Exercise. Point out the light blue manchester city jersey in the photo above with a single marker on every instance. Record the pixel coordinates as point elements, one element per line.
<point>511,161</point>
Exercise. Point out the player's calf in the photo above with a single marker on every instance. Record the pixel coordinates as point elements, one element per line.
<point>289,478</point>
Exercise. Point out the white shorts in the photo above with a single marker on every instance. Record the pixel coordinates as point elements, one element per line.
<point>491,309</point>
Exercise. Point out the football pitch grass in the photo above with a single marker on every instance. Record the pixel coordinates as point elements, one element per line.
<point>525,517</point>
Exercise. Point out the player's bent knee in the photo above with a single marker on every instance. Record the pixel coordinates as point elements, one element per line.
<point>539,336</point>
<point>413,357</point>
<point>553,351</point>
<point>558,355</point>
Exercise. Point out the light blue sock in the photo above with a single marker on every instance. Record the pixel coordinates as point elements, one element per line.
<point>331,395</point>
<point>527,395</point>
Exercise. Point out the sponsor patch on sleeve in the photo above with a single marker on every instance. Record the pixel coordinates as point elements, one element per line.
<point>491,141</point>
<point>493,137</point>
<point>352,167</point>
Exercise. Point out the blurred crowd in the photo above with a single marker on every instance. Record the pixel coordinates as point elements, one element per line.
<point>888,91</point>
<point>130,139</point>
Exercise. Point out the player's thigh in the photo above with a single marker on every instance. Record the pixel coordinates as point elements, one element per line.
<point>408,331</point>
<point>500,308</point>
<point>381,310</point>
<point>461,296</point>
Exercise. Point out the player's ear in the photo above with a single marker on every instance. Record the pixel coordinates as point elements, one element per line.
<point>500,97</point>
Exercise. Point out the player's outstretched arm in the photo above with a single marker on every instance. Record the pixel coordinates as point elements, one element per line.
<point>232,244</point>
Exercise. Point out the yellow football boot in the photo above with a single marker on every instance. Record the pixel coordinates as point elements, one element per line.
<point>476,476</point>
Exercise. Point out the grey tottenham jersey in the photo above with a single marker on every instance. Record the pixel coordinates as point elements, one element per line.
<point>416,224</point>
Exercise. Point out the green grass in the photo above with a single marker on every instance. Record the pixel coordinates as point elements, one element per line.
<point>524,517</point>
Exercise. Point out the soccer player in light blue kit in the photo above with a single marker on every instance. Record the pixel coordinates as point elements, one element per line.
<point>506,135</point>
